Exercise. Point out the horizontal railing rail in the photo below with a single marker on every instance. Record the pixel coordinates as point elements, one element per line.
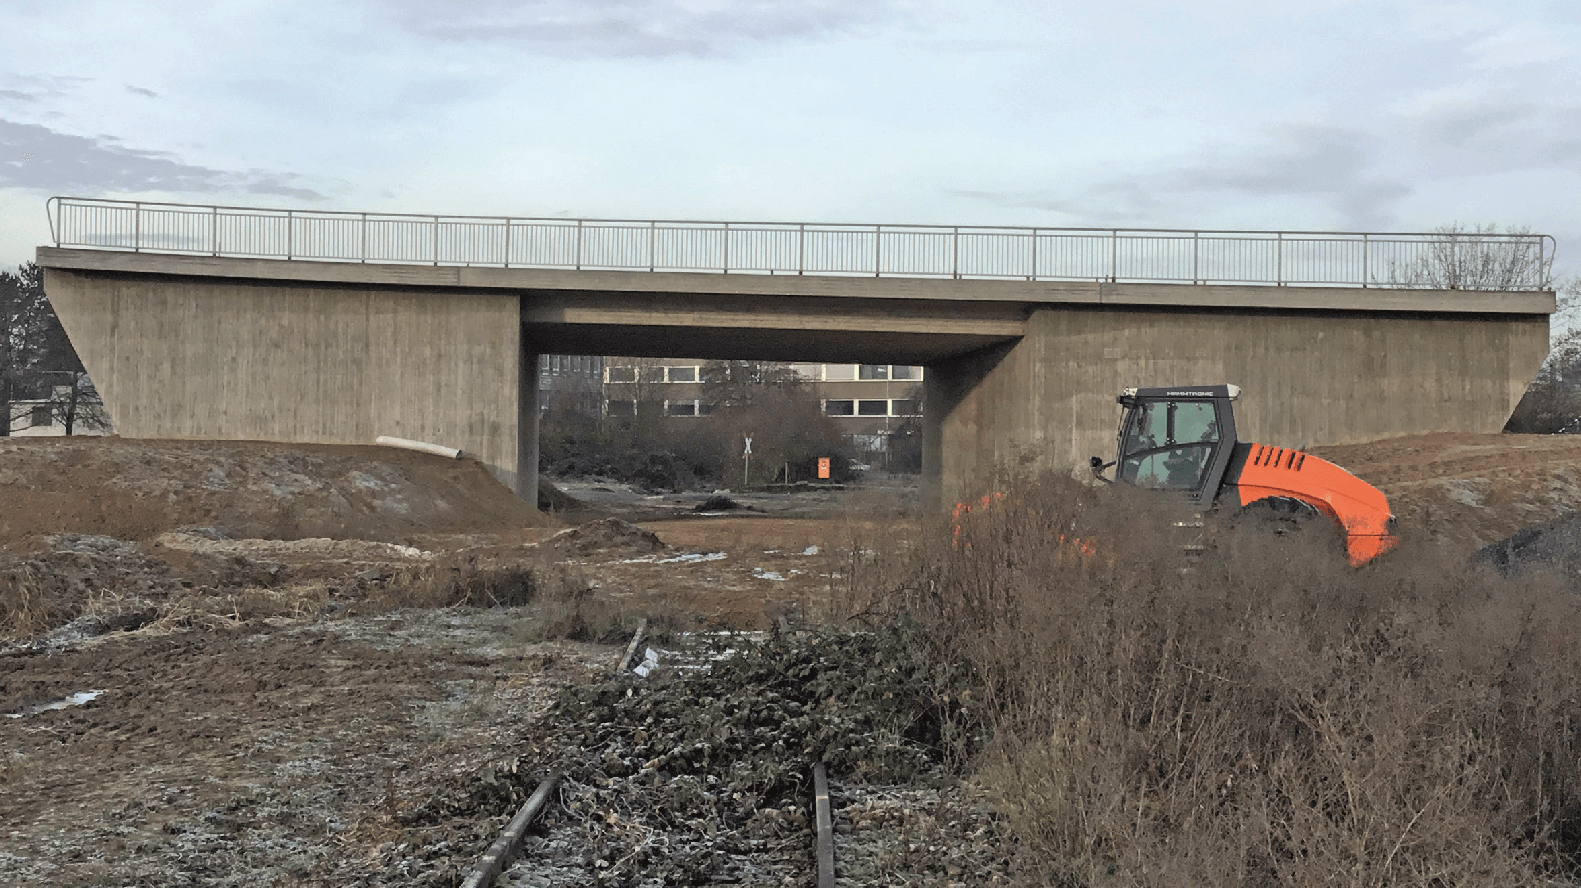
<point>1435,260</point>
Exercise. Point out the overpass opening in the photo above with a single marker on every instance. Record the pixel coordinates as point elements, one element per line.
<point>676,423</point>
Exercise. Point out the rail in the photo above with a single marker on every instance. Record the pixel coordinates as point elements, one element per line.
<point>1423,260</point>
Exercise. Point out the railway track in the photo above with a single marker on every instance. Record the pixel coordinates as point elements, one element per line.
<point>605,820</point>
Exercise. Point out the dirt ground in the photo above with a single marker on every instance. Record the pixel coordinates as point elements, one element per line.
<point>1467,491</point>
<point>264,712</point>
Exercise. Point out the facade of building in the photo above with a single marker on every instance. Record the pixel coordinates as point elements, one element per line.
<point>868,401</point>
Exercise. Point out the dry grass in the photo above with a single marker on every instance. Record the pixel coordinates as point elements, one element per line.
<point>1268,717</point>
<point>559,597</point>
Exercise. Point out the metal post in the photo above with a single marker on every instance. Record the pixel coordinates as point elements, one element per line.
<point>1114,254</point>
<point>363,232</point>
<point>1196,249</point>
<point>290,235</point>
<point>507,242</point>
<point>1365,249</point>
<point>726,268</point>
<point>579,246</point>
<point>955,253</point>
<point>878,250</point>
<point>436,240</point>
<point>1034,275</point>
<point>137,226</point>
<point>1279,258</point>
<point>801,248</point>
<point>214,230</point>
<point>653,234</point>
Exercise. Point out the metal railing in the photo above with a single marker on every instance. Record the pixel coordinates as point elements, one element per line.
<point>1436,260</point>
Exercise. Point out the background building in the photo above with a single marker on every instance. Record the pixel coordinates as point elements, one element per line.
<point>870,402</point>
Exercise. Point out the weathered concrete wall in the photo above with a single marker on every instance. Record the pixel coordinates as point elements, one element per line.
<point>236,359</point>
<point>1307,378</point>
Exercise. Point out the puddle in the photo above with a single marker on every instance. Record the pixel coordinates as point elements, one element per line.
<point>76,699</point>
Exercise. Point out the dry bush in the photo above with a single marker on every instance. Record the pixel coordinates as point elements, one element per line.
<point>32,599</point>
<point>563,602</point>
<point>1265,715</point>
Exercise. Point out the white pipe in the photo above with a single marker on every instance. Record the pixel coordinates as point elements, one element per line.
<point>437,450</point>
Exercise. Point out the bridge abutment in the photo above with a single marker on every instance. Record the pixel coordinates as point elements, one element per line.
<point>1046,402</point>
<point>177,357</point>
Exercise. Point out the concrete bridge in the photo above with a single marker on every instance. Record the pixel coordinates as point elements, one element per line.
<point>243,323</point>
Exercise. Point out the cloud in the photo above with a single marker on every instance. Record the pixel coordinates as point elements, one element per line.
<point>1333,166</point>
<point>36,157</point>
<point>141,91</point>
<point>638,28</point>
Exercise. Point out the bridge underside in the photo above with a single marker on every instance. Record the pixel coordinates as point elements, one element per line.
<point>203,347</point>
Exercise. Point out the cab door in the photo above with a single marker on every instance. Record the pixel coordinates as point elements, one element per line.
<point>1176,445</point>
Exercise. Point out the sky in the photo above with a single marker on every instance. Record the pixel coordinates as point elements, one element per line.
<point>1367,115</point>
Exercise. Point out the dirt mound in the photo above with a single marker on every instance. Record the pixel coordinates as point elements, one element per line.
<point>1467,491</point>
<point>133,489</point>
<point>607,537</point>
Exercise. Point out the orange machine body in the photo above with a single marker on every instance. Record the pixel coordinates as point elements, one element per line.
<point>1358,507</point>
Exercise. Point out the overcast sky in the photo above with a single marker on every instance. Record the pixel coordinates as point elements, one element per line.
<point>1396,115</point>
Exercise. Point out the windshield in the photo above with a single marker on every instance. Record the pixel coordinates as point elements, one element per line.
<point>1168,444</point>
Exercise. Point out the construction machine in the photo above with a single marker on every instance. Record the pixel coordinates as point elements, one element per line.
<point>1182,440</point>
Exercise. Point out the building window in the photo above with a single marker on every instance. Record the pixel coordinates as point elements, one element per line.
<point>682,374</point>
<point>680,408</point>
<point>839,408</point>
<point>902,372</point>
<point>905,407</point>
<point>873,371</point>
<point>620,374</point>
<point>41,417</point>
<point>872,408</point>
<point>620,407</point>
<point>839,372</point>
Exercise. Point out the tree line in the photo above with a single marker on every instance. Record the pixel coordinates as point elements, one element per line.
<point>42,380</point>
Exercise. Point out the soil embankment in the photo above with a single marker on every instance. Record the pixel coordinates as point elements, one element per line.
<point>135,490</point>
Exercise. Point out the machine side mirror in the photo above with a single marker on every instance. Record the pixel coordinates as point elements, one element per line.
<point>1098,465</point>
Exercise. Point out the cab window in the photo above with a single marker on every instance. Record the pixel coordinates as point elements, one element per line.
<point>1169,444</point>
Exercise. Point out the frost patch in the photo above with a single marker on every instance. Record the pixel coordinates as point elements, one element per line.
<point>76,699</point>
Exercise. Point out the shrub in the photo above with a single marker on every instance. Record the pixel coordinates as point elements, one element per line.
<point>1265,715</point>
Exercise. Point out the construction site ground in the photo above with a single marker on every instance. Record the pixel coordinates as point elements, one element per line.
<point>208,675</point>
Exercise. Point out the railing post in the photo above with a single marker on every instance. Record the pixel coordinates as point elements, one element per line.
<point>801,247</point>
<point>1366,248</point>
<point>653,234</point>
<point>1034,275</point>
<point>290,235</point>
<point>362,232</point>
<point>955,253</point>
<point>507,242</point>
<point>436,240</point>
<point>214,230</point>
<point>1279,258</point>
<point>578,245</point>
<point>1196,252</point>
<point>137,226</point>
<point>1114,255</point>
<point>726,268</point>
<point>878,250</point>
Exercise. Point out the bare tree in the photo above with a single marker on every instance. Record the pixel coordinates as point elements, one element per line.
<point>32,343</point>
<point>1552,403</point>
<point>1480,257</point>
<point>742,383</point>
